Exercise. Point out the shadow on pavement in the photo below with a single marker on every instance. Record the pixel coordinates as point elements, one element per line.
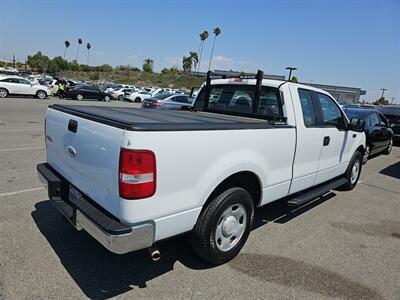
<point>101,274</point>
<point>392,170</point>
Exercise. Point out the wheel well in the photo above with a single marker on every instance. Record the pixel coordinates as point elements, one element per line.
<point>361,149</point>
<point>246,180</point>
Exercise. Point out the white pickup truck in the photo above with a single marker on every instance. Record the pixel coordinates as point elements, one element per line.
<point>132,177</point>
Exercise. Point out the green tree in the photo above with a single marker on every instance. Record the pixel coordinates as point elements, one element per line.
<point>203,37</point>
<point>38,62</point>
<point>294,79</point>
<point>217,32</point>
<point>381,101</point>
<point>60,63</point>
<point>79,45</point>
<point>74,66</point>
<point>148,65</point>
<point>66,44</point>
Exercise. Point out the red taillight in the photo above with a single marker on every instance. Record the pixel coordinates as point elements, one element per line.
<point>157,103</point>
<point>137,174</point>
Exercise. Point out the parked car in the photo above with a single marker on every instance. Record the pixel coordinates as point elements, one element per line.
<point>392,113</point>
<point>168,101</point>
<point>379,135</point>
<point>14,85</point>
<point>132,177</point>
<point>81,92</point>
<point>121,93</point>
<point>138,96</point>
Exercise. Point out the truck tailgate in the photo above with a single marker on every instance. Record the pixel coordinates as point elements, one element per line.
<point>87,158</point>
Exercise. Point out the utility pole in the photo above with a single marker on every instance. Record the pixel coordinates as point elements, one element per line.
<point>383,92</point>
<point>290,71</point>
<point>14,61</point>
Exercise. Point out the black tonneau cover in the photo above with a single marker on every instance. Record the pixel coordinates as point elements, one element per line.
<point>161,120</point>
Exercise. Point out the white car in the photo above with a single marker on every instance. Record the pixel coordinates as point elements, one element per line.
<point>14,85</point>
<point>120,94</point>
<point>139,96</point>
<point>132,177</point>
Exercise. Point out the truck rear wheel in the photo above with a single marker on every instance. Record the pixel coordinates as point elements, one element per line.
<point>223,226</point>
<point>353,171</point>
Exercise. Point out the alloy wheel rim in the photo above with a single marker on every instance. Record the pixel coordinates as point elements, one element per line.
<point>231,227</point>
<point>355,170</point>
<point>3,93</point>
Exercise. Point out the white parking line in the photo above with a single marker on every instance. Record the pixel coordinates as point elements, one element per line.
<point>22,148</point>
<point>21,191</point>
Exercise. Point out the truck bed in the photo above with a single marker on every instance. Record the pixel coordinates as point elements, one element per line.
<point>136,119</point>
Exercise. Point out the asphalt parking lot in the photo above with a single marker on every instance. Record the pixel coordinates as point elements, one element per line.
<point>345,245</point>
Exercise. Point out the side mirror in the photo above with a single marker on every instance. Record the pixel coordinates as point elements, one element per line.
<point>356,124</point>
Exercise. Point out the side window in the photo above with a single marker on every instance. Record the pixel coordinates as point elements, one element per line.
<point>383,121</point>
<point>374,120</point>
<point>307,106</point>
<point>24,81</point>
<point>180,99</point>
<point>332,116</point>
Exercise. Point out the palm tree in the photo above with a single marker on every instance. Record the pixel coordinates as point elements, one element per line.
<point>79,45</point>
<point>186,64</point>
<point>194,58</point>
<point>66,44</point>
<point>217,32</point>
<point>88,46</point>
<point>148,65</point>
<point>203,37</point>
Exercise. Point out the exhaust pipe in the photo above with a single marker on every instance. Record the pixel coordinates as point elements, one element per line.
<point>154,253</point>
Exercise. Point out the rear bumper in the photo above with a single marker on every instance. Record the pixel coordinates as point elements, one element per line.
<point>83,213</point>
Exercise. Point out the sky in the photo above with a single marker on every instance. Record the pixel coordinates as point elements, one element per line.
<point>344,42</point>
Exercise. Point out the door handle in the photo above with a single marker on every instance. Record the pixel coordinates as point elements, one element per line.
<point>71,151</point>
<point>327,139</point>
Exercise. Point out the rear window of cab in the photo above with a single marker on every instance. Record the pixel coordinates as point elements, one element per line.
<point>239,99</point>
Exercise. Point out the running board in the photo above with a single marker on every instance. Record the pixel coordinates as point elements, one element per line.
<point>316,192</point>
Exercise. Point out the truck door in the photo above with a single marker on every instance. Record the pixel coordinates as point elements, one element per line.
<point>309,140</point>
<point>336,141</point>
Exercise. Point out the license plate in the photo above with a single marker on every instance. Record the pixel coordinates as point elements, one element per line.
<point>74,194</point>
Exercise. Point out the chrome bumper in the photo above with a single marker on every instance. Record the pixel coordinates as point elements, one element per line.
<point>117,237</point>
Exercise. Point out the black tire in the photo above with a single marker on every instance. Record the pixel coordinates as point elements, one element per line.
<point>121,98</point>
<point>3,93</point>
<point>389,148</point>
<point>351,181</point>
<point>203,236</point>
<point>138,100</point>
<point>41,94</point>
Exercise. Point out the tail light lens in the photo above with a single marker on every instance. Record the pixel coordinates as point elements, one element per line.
<point>157,103</point>
<point>137,174</point>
